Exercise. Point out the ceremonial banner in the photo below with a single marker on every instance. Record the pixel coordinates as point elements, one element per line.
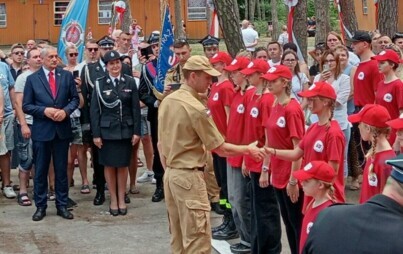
<point>166,58</point>
<point>73,28</point>
<point>290,21</point>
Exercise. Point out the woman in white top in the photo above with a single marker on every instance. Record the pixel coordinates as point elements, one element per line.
<point>333,74</point>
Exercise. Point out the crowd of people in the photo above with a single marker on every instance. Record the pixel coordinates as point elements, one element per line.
<point>256,138</point>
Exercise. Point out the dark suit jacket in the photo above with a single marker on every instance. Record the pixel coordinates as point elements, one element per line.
<point>37,97</point>
<point>146,93</point>
<point>118,122</point>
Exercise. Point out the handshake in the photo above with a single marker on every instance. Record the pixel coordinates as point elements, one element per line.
<point>259,153</point>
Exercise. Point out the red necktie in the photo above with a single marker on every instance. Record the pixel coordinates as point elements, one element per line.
<point>52,84</point>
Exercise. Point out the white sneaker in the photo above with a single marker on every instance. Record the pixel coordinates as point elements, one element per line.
<point>154,181</point>
<point>9,192</point>
<point>147,176</point>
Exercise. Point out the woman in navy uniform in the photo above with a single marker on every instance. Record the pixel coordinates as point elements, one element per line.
<point>115,121</point>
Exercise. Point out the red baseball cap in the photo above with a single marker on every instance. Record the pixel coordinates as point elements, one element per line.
<point>221,56</point>
<point>319,170</point>
<point>257,65</point>
<point>397,123</point>
<point>386,55</point>
<point>279,71</point>
<point>322,89</point>
<point>237,64</point>
<point>372,114</point>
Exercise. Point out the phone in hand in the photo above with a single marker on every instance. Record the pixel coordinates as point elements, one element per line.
<point>146,52</point>
<point>326,67</point>
<point>76,74</point>
<point>175,86</point>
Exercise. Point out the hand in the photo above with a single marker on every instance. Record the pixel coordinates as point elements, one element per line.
<point>142,59</point>
<point>136,74</point>
<point>325,75</point>
<point>255,152</point>
<point>135,139</point>
<point>60,115</point>
<point>26,131</point>
<point>50,112</point>
<point>268,150</point>
<point>293,192</point>
<point>78,81</point>
<point>97,142</point>
<point>245,172</point>
<point>167,90</point>
<point>2,55</point>
<point>131,52</point>
<point>264,180</point>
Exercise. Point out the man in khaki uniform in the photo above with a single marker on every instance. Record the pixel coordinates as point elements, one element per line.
<point>185,131</point>
<point>174,77</point>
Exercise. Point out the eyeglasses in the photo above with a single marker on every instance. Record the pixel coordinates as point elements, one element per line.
<point>289,60</point>
<point>21,53</point>
<point>329,61</point>
<point>92,49</point>
<point>73,54</point>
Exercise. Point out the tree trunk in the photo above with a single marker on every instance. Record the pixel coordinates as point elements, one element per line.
<point>348,15</point>
<point>127,18</point>
<point>274,20</point>
<point>299,27</point>
<point>262,5</point>
<point>246,9</point>
<point>259,10</point>
<point>252,10</point>
<point>178,20</point>
<point>387,17</point>
<point>228,18</point>
<point>322,20</point>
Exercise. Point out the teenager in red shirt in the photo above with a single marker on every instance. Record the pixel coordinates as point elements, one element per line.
<point>373,128</point>
<point>316,178</point>
<point>238,194</point>
<point>323,140</point>
<point>284,129</point>
<point>265,215</point>
<point>219,102</point>
<point>390,90</point>
<point>397,124</point>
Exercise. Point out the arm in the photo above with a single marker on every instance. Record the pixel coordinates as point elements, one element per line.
<point>28,102</point>
<point>227,149</point>
<point>292,186</point>
<point>352,73</point>
<point>264,176</point>
<point>289,155</point>
<point>144,91</point>
<point>344,90</point>
<point>26,132</point>
<point>335,165</point>
<point>135,113</point>
<point>1,105</point>
<point>73,96</point>
<point>95,114</point>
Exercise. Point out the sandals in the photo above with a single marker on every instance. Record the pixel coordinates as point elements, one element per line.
<point>354,185</point>
<point>134,190</point>
<point>23,199</point>
<point>51,196</point>
<point>85,189</point>
<point>140,163</point>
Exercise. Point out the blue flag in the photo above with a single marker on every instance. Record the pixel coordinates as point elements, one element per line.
<point>73,28</point>
<point>166,58</point>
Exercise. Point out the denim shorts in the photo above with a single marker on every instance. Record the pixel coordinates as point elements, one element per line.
<point>7,135</point>
<point>24,151</point>
<point>145,126</point>
<point>76,129</point>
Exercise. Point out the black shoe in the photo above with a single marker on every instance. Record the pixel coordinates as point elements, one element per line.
<point>228,232</point>
<point>39,214</point>
<point>99,198</point>
<point>239,248</point>
<point>122,211</point>
<point>64,213</point>
<point>217,208</point>
<point>225,221</point>
<point>127,199</point>
<point>158,195</point>
<point>71,204</point>
<point>114,212</point>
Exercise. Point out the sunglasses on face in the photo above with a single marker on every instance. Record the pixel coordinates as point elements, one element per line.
<point>92,49</point>
<point>73,54</point>
<point>19,53</point>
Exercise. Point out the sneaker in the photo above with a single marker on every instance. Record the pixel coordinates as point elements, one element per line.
<point>154,181</point>
<point>147,176</point>
<point>239,248</point>
<point>9,192</point>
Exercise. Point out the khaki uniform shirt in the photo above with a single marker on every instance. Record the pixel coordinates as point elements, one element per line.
<point>186,129</point>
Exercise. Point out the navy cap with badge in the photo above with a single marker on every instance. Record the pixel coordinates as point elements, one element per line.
<point>361,36</point>
<point>106,42</point>
<point>154,38</point>
<point>111,56</point>
<point>210,41</point>
<point>397,36</point>
<point>397,168</point>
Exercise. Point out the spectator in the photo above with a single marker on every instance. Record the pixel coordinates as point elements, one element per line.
<point>249,35</point>
<point>283,37</point>
<point>333,39</point>
<point>274,48</point>
<point>261,53</point>
<point>398,40</point>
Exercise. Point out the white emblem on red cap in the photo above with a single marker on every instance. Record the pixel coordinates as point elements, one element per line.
<point>250,65</point>
<point>308,166</point>
<point>312,87</point>
<point>281,122</point>
<point>215,56</point>
<point>234,62</point>
<point>382,53</point>
<point>318,146</point>
<point>254,112</point>
<point>388,97</point>
<point>361,76</point>
<point>271,70</point>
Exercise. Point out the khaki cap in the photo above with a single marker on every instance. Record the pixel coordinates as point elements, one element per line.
<point>200,63</point>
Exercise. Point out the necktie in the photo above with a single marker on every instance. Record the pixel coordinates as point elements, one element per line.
<point>52,84</point>
<point>116,82</point>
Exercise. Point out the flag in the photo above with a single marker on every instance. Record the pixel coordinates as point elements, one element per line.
<point>214,29</point>
<point>73,28</point>
<point>166,57</point>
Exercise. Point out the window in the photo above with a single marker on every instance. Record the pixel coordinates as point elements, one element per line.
<point>104,11</point>
<point>197,10</point>
<point>365,7</point>
<point>3,15</point>
<point>60,8</point>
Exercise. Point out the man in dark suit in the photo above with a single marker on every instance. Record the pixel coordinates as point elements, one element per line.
<point>50,96</point>
<point>90,73</point>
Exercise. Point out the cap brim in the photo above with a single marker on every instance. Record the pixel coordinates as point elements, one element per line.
<point>248,71</point>
<point>270,76</point>
<point>354,118</point>
<point>301,175</point>
<point>380,58</point>
<point>396,124</point>
<point>212,72</point>
<point>231,68</point>
<point>307,94</point>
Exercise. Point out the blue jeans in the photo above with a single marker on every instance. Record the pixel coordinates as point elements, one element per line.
<point>24,151</point>
<point>347,135</point>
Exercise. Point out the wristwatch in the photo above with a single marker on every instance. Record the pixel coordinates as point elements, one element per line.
<point>265,169</point>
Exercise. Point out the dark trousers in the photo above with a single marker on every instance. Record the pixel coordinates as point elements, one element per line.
<point>292,217</point>
<point>157,166</point>
<point>99,175</point>
<point>220,171</point>
<point>43,151</point>
<point>265,219</point>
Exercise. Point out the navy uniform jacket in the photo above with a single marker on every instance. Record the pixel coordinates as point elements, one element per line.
<point>37,97</point>
<point>373,227</point>
<point>148,72</point>
<point>121,121</point>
